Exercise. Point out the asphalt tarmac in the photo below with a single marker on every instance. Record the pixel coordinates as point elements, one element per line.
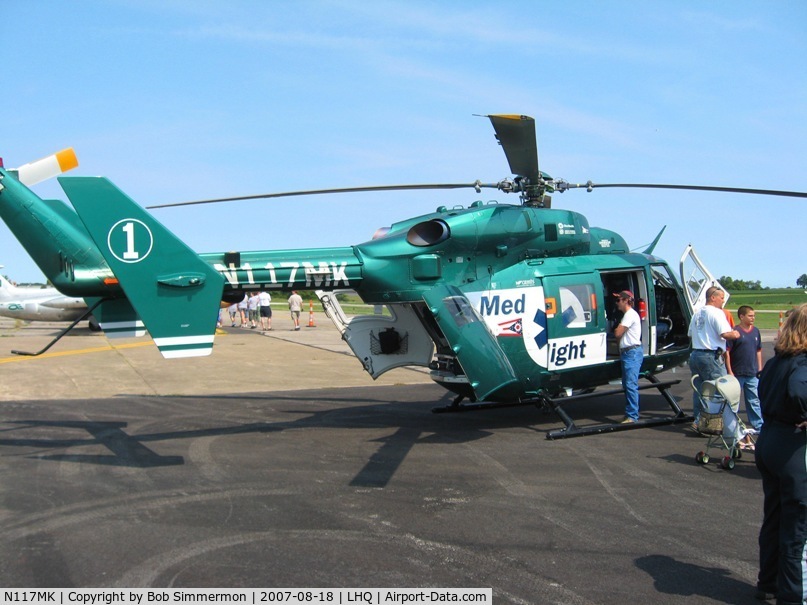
<point>278,462</point>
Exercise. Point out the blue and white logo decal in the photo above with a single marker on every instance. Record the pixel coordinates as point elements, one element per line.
<point>516,312</point>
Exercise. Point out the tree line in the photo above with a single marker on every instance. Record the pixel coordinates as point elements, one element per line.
<point>729,283</point>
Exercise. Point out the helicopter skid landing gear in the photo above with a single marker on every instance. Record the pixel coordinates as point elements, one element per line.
<point>62,333</point>
<point>572,430</point>
<point>456,405</point>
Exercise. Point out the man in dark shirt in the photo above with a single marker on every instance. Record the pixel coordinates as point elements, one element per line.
<point>744,361</point>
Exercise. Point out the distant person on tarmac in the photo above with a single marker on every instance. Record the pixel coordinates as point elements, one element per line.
<point>265,300</point>
<point>243,311</point>
<point>253,305</point>
<point>295,307</point>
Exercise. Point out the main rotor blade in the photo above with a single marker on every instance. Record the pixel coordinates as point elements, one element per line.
<point>475,185</point>
<point>517,137</point>
<point>563,186</point>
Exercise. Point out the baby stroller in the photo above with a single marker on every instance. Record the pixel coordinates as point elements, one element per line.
<point>719,419</point>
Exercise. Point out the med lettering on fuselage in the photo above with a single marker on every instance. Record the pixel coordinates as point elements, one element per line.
<point>523,312</point>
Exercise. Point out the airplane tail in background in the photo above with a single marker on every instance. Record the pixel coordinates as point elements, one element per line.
<point>7,289</point>
<point>174,291</point>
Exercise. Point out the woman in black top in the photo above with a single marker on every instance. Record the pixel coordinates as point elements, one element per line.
<point>781,456</point>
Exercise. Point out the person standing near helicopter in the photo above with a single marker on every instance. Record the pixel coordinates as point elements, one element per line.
<point>744,362</point>
<point>708,333</point>
<point>781,457</point>
<point>629,334</point>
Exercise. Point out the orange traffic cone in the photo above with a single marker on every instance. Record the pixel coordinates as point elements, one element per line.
<point>311,323</point>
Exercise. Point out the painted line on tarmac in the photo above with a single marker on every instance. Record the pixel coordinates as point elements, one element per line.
<point>74,352</point>
<point>130,345</point>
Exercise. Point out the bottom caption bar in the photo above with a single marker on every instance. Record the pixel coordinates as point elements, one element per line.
<point>250,596</point>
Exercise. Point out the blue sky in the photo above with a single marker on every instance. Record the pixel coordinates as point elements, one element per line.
<point>178,101</point>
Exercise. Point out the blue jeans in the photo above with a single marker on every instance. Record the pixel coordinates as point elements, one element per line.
<point>707,367</point>
<point>631,361</point>
<point>750,387</point>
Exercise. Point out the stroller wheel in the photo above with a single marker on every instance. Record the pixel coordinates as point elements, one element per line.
<point>727,463</point>
<point>702,458</point>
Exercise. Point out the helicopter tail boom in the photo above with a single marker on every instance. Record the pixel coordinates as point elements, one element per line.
<point>54,237</point>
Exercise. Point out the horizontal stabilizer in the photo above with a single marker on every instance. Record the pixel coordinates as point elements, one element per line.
<point>174,292</point>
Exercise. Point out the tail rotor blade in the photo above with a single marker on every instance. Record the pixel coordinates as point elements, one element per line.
<point>46,168</point>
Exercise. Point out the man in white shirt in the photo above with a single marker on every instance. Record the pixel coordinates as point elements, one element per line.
<point>265,301</point>
<point>708,334</point>
<point>295,306</point>
<point>629,333</point>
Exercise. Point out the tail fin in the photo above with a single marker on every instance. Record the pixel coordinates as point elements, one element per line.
<point>171,288</point>
<point>6,289</point>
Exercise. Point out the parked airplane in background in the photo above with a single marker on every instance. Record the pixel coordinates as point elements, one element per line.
<point>32,303</point>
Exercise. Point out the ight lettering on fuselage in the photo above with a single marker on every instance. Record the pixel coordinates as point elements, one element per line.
<point>324,274</point>
<point>571,351</point>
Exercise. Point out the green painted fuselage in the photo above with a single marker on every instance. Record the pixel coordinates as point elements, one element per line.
<point>538,279</point>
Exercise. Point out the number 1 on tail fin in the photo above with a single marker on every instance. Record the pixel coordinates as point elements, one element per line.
<point>175,293</point>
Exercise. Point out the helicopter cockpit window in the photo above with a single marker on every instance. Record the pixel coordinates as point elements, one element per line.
<point>671,322</point>
<point>576,305</point>
<point>461,310</point>
<point>662,277</point>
